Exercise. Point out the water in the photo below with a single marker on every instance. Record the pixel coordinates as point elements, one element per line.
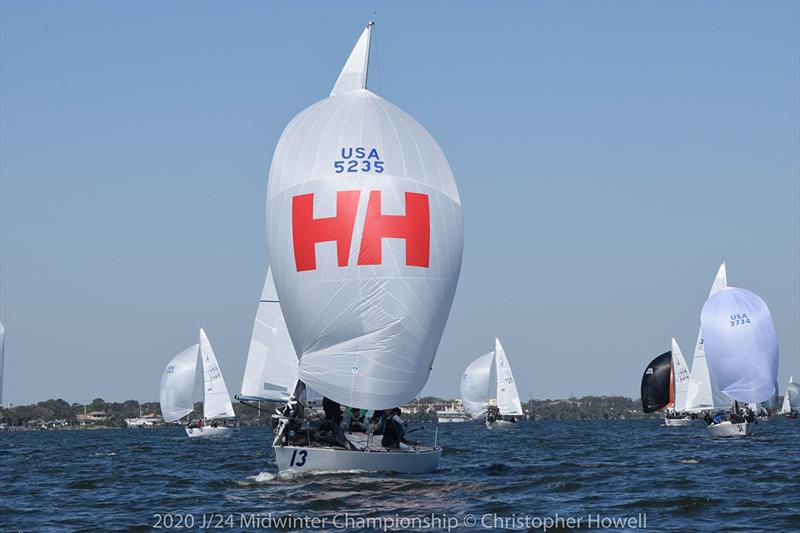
<point>681,478</point>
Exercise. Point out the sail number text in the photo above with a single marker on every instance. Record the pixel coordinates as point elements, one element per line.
<point>738,320</point>
<point>358,159</point>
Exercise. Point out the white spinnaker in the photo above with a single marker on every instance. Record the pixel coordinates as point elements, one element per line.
<point>793,393</point>
<point>271,369</point>
<point>741,344</point>
<point>681,377</point>
<point>2,357</point>
<point>475,384</point>
<point>507,396</point>
<point>703,394</point>
<point>216,399</point>
<point>178,384</point>
<point>365,317</point>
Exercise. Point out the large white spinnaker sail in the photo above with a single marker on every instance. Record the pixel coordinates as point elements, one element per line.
<point>365,242</point>
<point>271,369</point>
<point>216,399</point>
<point>178,385</point>
<point>2,357</point>
<point>681,377</point>
<point>703,394</point>
<point>475,385</point>
<point>507,396</point>
<point>741,344</point>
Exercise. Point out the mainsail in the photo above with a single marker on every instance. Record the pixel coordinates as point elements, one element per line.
<point>507,396</point>
<point>475,385</point>
<point>680,377</point>
<point>2,357</point>
<point>271,369</point>
<point>178,384</point>
<point>741,344</point>
<point>657,384</point>
<point>365,241</point>
<point>703,394</point>
<point>793,395</point>
<point>216,399</point>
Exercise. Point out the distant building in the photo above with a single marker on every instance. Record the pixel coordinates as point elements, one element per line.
<point>146,421</point>
<point>93,417</point>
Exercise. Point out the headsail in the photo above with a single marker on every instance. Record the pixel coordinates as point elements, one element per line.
<point>271,369</point>
<point>657,384</point>
<point>703,394</point>
<point>475,385</point>
<point>216,399</point>
<point>365,241</point>
<point>741,344</point>
<point>680,377</point>
<point>507,396</point>
<point>178,384</point>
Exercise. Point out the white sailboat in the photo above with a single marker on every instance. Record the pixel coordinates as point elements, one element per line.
<point>476,390</point>
<point>179,388</point>
<point>703,394</point>
<point>2,357</point>
<point>365,243</point>
<point>791,400</point>
<point>742,351</point>
<point>678,415</point>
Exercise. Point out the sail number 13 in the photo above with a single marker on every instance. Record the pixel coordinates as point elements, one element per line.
<point>298,458</point>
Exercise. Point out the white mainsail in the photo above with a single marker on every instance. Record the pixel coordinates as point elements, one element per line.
<point>216,399</point>
<point>703,394</point>
<point>793,393</point>
<point>178,385</point>
<point>507,396</point>
<point>271,369</point>
<point>741,344</point>
<point>681,377</point>
<point>2,357</point>
<point>786,406</point>
<point>365,240</point>
<point>475,384</point>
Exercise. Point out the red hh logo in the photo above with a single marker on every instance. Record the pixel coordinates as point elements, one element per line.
<point>414,227</point>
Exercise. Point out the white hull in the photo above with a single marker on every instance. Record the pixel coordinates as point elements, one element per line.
<point>680,421</point>
<point>300,459</point>
<point>207,432</point>
<point>728,429</point>
<point>501,424</point>
<point>459,420</point>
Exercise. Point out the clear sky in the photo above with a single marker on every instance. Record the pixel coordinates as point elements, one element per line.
<point>609,156</point>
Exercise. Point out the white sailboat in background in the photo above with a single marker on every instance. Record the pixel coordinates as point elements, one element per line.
<point>791,400</point>
<point>741,345</point>
<point>2,358</point>
<point>681,378</point>
<point>179,388</point>
<point>703,394</point>
<point>476,390</point>
<point>365,242</point>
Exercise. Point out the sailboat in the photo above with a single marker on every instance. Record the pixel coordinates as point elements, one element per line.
<point>365,240</point>
<point>791,400</point>
<point>179,388</point>
<point>476,385</point>
<point>703,394</point>
<point>657,390</point>
<point>677,414</point>
<point>741,345</point>
<point>2,358</point>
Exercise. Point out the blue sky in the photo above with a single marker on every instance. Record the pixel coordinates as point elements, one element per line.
<point>608,156</point>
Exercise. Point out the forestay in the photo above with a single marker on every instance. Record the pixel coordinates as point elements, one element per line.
<point>216,399</point>
<point>271,369</point>
<point>365,242</point>
<point>507,396</point>
<point>741,344</point>
<point>475,384</point>
<point>178,385</point>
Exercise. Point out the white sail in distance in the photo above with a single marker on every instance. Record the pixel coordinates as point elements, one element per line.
<point>681,377</point>
<point>216,399</point>
<point>703,394</point>
<point>365,241</point>
<point>475,385</point>
<point>271,369</point>
<point>507,395</point>
<point>741,344</point>
<point>178,385</point>
<point>2,358</point>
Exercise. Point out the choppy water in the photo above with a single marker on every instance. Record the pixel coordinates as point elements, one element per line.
<point>681,478</point>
